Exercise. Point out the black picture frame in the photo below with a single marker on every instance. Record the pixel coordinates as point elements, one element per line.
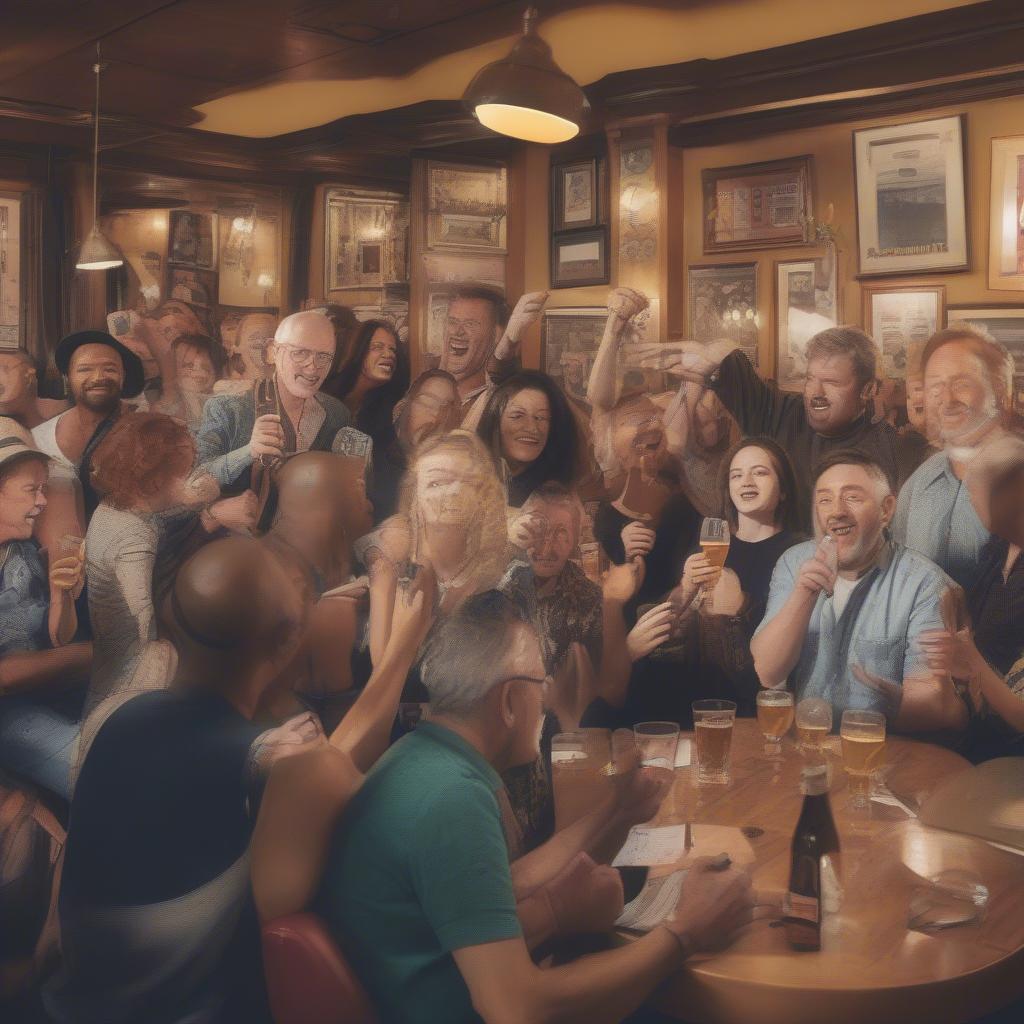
<point>599,270</point>
<point>588,170</point>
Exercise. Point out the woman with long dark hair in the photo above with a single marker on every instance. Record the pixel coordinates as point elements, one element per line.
<point>372,379</point>
<point>532,435</point>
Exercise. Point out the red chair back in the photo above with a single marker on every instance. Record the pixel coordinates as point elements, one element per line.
<point>309,981</point>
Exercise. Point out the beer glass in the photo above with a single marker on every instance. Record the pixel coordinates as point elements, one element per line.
<point>712,729</point>
<point>774,716</point>
<point>862,734</point>
<point>579,775</point>
<point>813,723</point>
<point>656,743</point>
<point>714,543</point>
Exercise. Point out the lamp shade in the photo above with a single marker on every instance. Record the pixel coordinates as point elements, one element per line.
<point>527,95</point>
<point>97,252</point>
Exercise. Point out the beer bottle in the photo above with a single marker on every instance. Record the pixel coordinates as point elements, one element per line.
<point>813,884</point>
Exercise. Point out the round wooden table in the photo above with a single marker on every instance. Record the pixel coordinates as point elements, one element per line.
<point>871,969</point>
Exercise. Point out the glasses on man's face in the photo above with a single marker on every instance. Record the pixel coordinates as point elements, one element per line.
<point>305,356</point>
<point>544,684</point>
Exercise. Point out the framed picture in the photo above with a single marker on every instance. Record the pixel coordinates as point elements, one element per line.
<point>1006,216</point>
<point>196,287</point>
<point>911,212</point>
<point>1004,322</point>
<point>723,304</point>
<point>575,195</point>
<point>11,326</point>
<point>468,206</point>
<point>249,273</point>
<point>569,341</point>
<point>897,316</point>
<point>579,258</point>
<point>367,240</point>
<point>191,239</point>
<point>805,303</point>
<point>757,206</point>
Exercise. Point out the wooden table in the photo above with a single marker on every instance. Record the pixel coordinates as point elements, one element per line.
<point>871,968</point>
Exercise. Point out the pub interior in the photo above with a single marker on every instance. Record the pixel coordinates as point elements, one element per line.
<point>511,513</point>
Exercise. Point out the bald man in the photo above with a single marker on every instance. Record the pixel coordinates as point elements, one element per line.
<point>232,436</point>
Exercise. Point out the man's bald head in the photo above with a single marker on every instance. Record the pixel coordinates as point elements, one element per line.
<point>303,351</point>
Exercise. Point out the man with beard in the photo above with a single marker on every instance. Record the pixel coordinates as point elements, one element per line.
<point>968,383</point>
<point>481,341</point>
<point>233,435</point>
<point>848,612</point>
<point>18,390</point>
<point>100,373</point>
<point>832,413</point>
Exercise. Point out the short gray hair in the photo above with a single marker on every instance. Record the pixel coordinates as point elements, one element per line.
<point>463,650</point>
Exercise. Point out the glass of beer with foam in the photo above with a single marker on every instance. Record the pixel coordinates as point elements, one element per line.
<point>712,729</point>
<point>862,734</point>
<point>774,716</point>
<point>714,543</point>
<point>813,724</point>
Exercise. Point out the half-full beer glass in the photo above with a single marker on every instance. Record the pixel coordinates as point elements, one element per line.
<point>863,737</point>
<point>712,729</point>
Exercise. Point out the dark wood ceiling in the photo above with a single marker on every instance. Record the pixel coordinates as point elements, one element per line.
<point>167,56</point>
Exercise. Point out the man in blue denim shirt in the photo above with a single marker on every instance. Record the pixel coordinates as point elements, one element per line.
<point>846,615</point>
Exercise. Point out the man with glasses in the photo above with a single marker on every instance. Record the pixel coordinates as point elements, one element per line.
<point>233,436</point>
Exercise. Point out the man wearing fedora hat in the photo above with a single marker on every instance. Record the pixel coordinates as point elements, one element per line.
<point>100,372</point>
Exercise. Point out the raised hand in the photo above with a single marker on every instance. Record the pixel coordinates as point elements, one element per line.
<point>819,572</point>
<point>652,629</point>
<point>698,573</point>
<point>526,312</point>
<point>292,737</point>
<point>525,530</point>
<point>625,303</point>
<point>621,582</point>
<point>413,613</point>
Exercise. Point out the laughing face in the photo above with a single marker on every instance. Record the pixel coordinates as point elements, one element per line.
<point>754,484</point>
<point>959,401</point>
<point>468,339</point>
<point>95,376</point>
<point>853,507</point>
<point>524,428</point>
<point>303,358</point>
<point>22,499</point>
<point>381,358</point>
<point>556,539</point>
<point>833,397</point>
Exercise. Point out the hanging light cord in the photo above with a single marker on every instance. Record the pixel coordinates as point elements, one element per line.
<point>97,68</point>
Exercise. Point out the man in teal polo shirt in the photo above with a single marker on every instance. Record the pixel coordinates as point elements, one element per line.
<point>418,890</point>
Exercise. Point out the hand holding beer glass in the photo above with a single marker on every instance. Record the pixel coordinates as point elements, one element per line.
<point>863,737</point>
<point>774,717</point>
<point>714,543</point>
<point>713,721</point>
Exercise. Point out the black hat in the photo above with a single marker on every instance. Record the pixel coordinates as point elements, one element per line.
<point>134,375</point>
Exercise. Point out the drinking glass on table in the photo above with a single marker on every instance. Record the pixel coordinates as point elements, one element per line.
<point>712,729</point>
<point>862,734</point>
<point>714,543</point>
<point>656,743</point>
<point>813,724</point>
<point>774,716</point>
<point>579,772</point>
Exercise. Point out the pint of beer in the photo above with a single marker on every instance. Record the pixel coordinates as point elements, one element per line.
<point>712,729</point>
<point>813,723</point>
<point>863,738</point>
<point>774,713</point>
<point>579,773</point>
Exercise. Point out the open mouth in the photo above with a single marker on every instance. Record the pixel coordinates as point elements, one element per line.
<point>749,495</point>
<point>458,348</point>
<point>527,440</point>
<point>841,531</point>
<point>820,404</point>
<point>648,441</point>
<point>308,381</point>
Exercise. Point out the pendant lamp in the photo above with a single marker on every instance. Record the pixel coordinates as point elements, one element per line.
<point>97,252</point>
<point>527,95</point>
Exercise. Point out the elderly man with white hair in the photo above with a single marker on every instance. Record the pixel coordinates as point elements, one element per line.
<point>850,614</point>
<point>234,433</point>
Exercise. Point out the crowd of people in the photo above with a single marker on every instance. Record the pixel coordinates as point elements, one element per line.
<point>283,629</point>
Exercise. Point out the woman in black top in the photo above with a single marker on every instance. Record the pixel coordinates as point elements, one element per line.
<point>532,435</point>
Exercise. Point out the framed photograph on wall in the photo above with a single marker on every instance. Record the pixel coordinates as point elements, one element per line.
<point>569,341</point>
<point>911,209</point>
<point>1004,322</point>
<point>1006,216</point>
<point>757,206</point>
<point>805,303</point>
<point>579,258</point>
<point>191,239</point>
<point>575,195</point>
<point>468,206</point>
<point>723,304</point>
<point>366,241</point>
<point>899,315</point>
<point>12,327</point>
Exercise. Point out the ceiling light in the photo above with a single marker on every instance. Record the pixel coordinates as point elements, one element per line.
<point>97,252</point>
<point>527,95</point>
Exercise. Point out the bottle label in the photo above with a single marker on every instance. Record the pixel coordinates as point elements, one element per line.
<point>802,921</point>
<point>803,908</point>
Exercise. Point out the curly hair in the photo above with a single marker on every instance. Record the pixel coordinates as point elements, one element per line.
<point>140,455</point>
<point>487,534</point>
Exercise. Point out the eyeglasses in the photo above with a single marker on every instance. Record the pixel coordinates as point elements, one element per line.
<point>304,356</point>
<point>544,684</point>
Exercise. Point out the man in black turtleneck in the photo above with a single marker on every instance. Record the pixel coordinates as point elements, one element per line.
<point>831,414</point>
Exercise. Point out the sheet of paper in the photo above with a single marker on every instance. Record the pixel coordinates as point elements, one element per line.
<point>684,752</point>
<point>648,846</point>
<point>887,798</point>
<point>655,902</point>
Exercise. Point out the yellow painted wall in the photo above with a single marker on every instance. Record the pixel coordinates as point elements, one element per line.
<point>832,149</point>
